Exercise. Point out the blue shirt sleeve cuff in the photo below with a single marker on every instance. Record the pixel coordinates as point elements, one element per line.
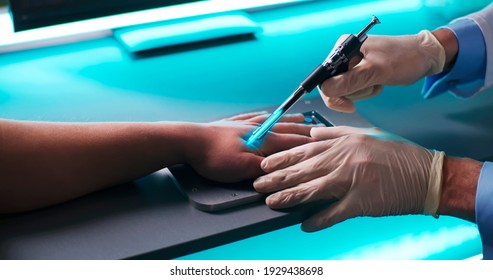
<point>467,75</point>
<point>484,209</point>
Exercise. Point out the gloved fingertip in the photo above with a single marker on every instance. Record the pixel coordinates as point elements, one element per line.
<point>341,104</point>
<point>273,200</point>
<point>264,164</point>
<point>263,183</point>
<point>326,133</point>
<point>310,226</point>
<point>316,132</point>
<point>258,184</point>
<point>272,162</point>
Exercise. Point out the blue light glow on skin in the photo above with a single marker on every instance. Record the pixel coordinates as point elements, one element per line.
<point>255,139</point>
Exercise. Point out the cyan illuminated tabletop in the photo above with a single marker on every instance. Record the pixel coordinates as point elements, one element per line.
<point>99,81</point>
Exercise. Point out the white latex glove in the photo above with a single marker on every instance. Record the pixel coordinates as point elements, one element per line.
<point>367,172</point>
<point>387,60</point>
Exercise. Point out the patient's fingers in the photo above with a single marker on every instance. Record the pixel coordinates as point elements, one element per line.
<point>293,118</point>
<point>292,128</point>
<point>260,116</point>
<point>245,116</point>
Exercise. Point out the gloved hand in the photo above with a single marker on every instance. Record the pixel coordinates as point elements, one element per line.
<point>367,172</point>
<point>387,60</point>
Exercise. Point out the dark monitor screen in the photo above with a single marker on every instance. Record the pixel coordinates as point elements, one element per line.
<point>28,14</point>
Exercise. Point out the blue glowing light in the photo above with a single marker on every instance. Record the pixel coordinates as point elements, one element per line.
<point>256,137</point>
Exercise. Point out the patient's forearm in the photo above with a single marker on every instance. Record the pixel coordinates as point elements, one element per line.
<point>46,163</point>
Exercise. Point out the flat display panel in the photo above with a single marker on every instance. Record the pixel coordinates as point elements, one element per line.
<point>29,14</point>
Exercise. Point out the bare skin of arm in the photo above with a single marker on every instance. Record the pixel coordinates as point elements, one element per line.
<point>460,179</point>
<point>449,42</point>
<point>44,163</point>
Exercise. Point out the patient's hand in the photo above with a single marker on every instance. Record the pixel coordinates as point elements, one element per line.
<point>219,152</point>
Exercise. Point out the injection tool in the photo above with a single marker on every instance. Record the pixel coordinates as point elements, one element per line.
<point>336,63</point>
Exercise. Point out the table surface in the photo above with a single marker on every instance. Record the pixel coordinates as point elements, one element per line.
<point>149,218</point>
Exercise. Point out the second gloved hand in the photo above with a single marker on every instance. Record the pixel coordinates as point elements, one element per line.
<point>366,171</point>
<point>387,60</point>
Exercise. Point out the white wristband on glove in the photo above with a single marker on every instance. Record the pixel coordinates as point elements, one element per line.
<point>434,50</point>
<point>432,200</point>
